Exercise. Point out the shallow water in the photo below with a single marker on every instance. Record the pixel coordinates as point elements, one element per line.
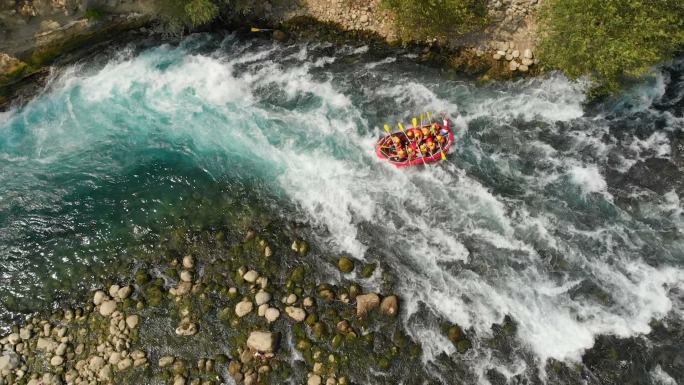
<point>565,217</point>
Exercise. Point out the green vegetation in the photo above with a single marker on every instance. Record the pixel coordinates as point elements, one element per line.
<point>426,19</point>
<point>610,39</point>
<point>185,14</point>
<point>95,14</point>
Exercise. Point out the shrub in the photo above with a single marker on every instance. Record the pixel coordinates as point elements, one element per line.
<point>425,19</point>
<point>609,39</point>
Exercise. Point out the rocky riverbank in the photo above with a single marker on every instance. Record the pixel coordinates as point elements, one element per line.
<point>35,33</point>
<point>250,309</point>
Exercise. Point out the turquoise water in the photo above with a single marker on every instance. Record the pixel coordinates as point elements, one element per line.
<point>547,210</point>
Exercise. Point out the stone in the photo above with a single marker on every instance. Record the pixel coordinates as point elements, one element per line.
<point>251,276</point>
<point>115,358</point>
<point>262,341</point>
<point>496,56</point>
<point>139,362</point>
<point>124,364</point>
<point>61,349</point>
<point>513,65</point>
<point>124,292</point>
<point>25,333</point>
<point>366,302</point>
<point>501,53</point>
<point>166,361</point>
<point>9,361</point>
<point>262,297</point>
<point>243,308</point>
<point>188,262</point>
<point>291,299</point>
<point>96,363</point>
<point>132,321</point>
<point>186,328</point>
<point>279,35</point>
<point>268,252</point>
<point>107,308</point>
<point>390,306</point>
<point>308,302</point>
<point>527,62</point>
<point>56,360</point>
<point>527,54</point>
<point>345,264</point>
<point>13,338</point>
<point>46,344</point>
<point>314,379</point>
<point>185,276</point>
<point>261,310</point>
<point>516,53</point>
<point>509,57</point>
<point>271,314</point>
<point>105,374</point>
<point>99,297</point>
<point>114,290</point>
<point>523,68</point>
<point>296,313</point>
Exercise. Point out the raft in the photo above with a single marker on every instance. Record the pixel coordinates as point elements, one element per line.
<point>381,147</point>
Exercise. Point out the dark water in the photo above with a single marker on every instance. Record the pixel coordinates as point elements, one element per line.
<point>566,218</point>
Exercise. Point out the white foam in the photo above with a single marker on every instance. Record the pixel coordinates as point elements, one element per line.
<point>589,178</point>
<point>660,377</point>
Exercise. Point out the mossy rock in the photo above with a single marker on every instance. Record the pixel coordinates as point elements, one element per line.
<point>368,270</point>
<point>383,363</point>
<point>454,333</point>
<point>142,277</point>
<point>297,275</point>
<point>345,264</point>
<point>311,319</point>
<point>337,340</point>
<point>463,345</point>
<point>319,330</point>
<point>154,295</point>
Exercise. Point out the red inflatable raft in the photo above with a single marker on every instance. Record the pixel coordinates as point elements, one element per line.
<point>384,146</point>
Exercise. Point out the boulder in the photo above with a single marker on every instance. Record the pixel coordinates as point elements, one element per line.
<point>124,364</point>
<point>186,328</point>
<point>251,276</point>
<point>124,292</point>
<point>14,338</point>
<point>271,314</point>
<point>186,276</point>
<point>516,54</point>
<point>114,290</point>
<point>166,361</point>
<point>366,303</point>
<point>527,54</point>
<point>296,313</point>
<point>262,297</point>
<point>107,308</point>
<point>188,262</point>
<point>345,264</point>
<point>243,308</point>
<point>96,363</point>
<point>523,68</point>
<point>56,360</point>
<point>390,306</point>
<point>262,341</point>
<point>99,297</point>
<point>9,361</point>
<point>314,379</point>
<point>132,321</point>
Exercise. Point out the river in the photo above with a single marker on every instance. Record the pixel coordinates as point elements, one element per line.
<point>565,216</point>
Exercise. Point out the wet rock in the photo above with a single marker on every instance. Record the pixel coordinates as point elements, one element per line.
<point>296,313</point>
<point>368,270</point>
<point>262,341</point>
<point>271,314</point>
<point>308,302</point>
<point>345,264</point>
<point>107,308</point>
<point>366,303</point>
<point>279,35</point>
<point>390,306</point>
<point>243,308</point>
<point>13,338</point>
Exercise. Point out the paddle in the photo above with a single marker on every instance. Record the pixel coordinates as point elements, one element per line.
<point>255,29</point>
<point>439,144</point>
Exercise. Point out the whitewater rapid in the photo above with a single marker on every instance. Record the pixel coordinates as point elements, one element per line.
<point>519,220</point>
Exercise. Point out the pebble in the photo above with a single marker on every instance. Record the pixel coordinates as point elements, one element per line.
<point>251,276</point>
<point>188,262</point>
<point>99,297</point>
<point>166,361</point>
<point>132,321</point>
<point>296,313</point>
<point>185,276</point>
<point>271,314</point>
<point>262,297</point>
<point>291,299</point>
<point>56,360</point>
